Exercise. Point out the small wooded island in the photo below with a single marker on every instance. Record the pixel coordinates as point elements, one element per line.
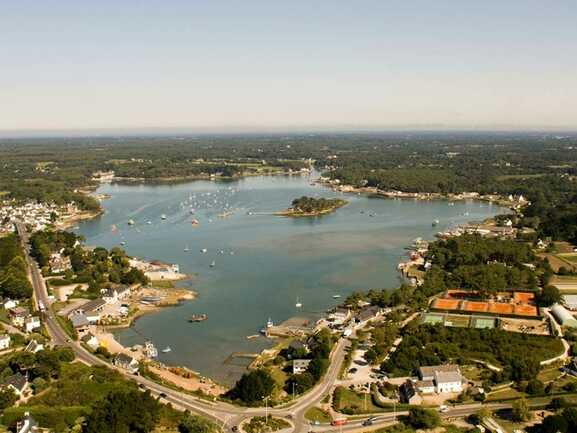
<point>310,206</point>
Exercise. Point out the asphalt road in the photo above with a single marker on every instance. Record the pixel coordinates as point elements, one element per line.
<point>226,415</point>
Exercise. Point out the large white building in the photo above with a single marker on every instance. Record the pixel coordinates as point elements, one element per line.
<point>444,378</point>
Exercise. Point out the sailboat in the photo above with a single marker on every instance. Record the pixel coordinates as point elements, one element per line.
<point>298,303</point>
<point>186,249</point>
<point>213,264</point>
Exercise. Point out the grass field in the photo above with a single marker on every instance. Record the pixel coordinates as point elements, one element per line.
<point>317,414</point>
<point>504,394</point>
<point>350,402</point>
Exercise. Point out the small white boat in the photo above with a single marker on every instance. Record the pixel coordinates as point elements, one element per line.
<point>212,264</point>
<point>149,222</point>
<point>204,251</point>
<point>186,249</point>
<point>336,296</point>
<point>163,216</point>
<point>435,222</point>
<point>298,303</point>
<point>122,243</point>
<point>130,222</point>
<point>166,349</point>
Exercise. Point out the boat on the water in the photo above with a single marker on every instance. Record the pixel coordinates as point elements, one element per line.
<point>204,250</point>
<point>131,222</point>
<point>166,349</point>
<point>163,217</point>
<point>298,303</point>
<point>186,249</point>
<point>198,318</point>
<point>212,264</point>
<point>252,337</point>
<point>269,324</point>
<point>435,222</point>
<point>194,222</point>
<point>336,296</point>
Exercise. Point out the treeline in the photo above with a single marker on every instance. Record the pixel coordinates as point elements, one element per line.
<point>97,267</point>
<point>14,281</point>
<point>519,354</point>
<point>486,265</point>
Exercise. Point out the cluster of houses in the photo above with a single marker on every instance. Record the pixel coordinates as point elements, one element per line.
<point>38,216</point>
<point>91,312</point>
<point>344,318</point>
<point>156,270</point>
<point>437,379</point>
<point>20,317</point>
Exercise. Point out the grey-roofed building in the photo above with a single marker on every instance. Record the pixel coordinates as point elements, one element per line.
<point>126,362</point>
<point>563,316</point>
<point>446,378</point>
<point>79,321</point>
<point>368,313</point>
<point>17,382</point>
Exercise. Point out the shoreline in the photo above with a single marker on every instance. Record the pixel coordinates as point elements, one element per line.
<point>341,188</point>
<point>423,196</point>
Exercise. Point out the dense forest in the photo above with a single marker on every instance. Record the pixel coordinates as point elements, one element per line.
<point>311,205</point>
<point>13,270</point>
<point>518,354</point>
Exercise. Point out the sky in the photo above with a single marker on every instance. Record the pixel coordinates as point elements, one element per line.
<point>281,65</point>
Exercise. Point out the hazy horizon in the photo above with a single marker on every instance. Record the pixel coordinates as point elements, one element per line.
<point>226,67</point>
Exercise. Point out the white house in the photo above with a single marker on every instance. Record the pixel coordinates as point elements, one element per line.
<point>31,323</point>
<point>445,378</point>
<point>340,315</point>
<point>8,304</point>
<point>34,347</point>
<point>4,341</point>
<point>425,386</point>
<point>126,362</point>
<point>300,365</point>
<point>91,341</point>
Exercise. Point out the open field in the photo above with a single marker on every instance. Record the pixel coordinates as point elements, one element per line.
<point>317,414</point>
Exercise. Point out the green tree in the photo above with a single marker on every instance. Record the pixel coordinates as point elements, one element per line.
<point>520,411</point>
<point>7,398</point>
<point>123,412</point>
<point>196,424</point>
<point>423,418</point>
<point>253,387</point>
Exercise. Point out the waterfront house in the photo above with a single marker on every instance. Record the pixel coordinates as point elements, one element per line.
<point>91,341</point>
<point>445,378</point>
<point>17,383</point>
<point>112,296</point>
<point>4,341</point>
<point>91,310</point>
<point>300,365</point>
<point>367,314</point>
<point>31,323</point>
<point>33,347</point>
<point>126,362</point>
<point>340,315</point>
<point>29,425</point>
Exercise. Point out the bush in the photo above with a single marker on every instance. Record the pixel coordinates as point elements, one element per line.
<point>421,418</point>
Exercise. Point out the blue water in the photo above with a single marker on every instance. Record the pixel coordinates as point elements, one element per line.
<point>274,259</point>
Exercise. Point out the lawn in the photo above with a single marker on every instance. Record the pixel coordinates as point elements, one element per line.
<point>504,394</point>
<point>549,374</point>
<point>317,414</point>
<point>351,403</point>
